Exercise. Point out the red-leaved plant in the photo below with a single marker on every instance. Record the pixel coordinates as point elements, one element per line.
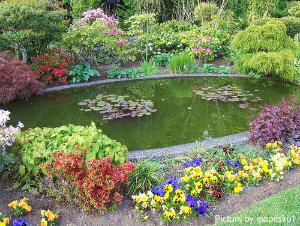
<point>275,123</point>
<point>17,81</point>
<point>51,68</point>
<point>95,184</point>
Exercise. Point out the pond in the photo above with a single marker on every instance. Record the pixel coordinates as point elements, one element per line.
<point>166,112</point>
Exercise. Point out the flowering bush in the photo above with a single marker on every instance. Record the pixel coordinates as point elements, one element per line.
<point>17,81</point>
<point>96,182</point>
<point>96,38</point>
<point>294,154</point>
<point>21,207</point>
<point>51,68</point>
<point>275,122</point>
<point>175,36</point>
<point>3,220</point>
<point>210,180</point>
<point>7,137</point>
<point>21,222</point>
<point>201,48</point>
<point>49,218</point>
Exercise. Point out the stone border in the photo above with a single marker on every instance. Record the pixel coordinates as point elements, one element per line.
<point>153,77</point>
<point>177,150</point>
<point>185,149</point>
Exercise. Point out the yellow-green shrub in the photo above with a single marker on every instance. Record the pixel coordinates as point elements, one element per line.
<point>291,23</point>
<point>205,11</point>
<point>279,63</point>
<point>269,37</point>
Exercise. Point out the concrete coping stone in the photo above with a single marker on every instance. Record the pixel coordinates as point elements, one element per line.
<point>185,149</point>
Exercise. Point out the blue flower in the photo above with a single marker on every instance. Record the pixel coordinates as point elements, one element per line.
<point>21,222</point>
<point>229,162</point>
<point>236,164</point>
<point>193,163</point>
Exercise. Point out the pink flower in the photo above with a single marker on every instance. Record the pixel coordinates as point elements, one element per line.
<point>200,41</point>
<point>111,32</point>
<point>207,37</point>
<point>65,82</point>
<point>196,36</point>
<point>208,50</point>
<point>32,58</point>
<point>195,49</point>
<point>103,32</point>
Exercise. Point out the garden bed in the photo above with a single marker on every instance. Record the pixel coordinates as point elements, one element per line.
<point>125,214</point>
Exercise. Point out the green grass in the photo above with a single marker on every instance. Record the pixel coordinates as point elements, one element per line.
<point>283,205</point>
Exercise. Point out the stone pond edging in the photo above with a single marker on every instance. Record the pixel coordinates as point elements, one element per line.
<point>185,149</point>
<point>176,150</point>
<point>152,77</point>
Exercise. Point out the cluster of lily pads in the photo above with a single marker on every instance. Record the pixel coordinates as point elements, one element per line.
<point>112,106</point>
<point>226,94</point>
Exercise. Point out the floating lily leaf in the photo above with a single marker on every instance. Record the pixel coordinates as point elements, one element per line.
<point>82,103</point>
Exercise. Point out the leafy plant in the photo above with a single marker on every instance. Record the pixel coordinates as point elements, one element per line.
<point>209,68</point>
<point>275,123</point>
<point>129,72</point>
<point>81,73</point>
<point>181,63</point>
<point>143,178</point>
<point>51,68</point>
<point>29,26</point>
<point>149,67</point>
<point>162,59</point>
<point>17,80</point>
<point>34,147</point>
<point>96,182</point>
<point>224,70</point>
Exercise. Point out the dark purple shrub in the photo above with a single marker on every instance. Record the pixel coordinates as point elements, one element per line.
<point>17,81</point>
<point>275,123</point>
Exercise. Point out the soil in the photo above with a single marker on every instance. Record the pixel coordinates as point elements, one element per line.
<point>126,215</point>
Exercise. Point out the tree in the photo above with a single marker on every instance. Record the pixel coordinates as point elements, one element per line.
<point>30,25</point>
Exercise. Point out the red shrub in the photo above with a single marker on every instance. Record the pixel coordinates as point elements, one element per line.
<point>95,183</point>
<point>51,68</point>
<point>17,81</point>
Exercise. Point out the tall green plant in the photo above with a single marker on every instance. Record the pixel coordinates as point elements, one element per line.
<point>182,63</point>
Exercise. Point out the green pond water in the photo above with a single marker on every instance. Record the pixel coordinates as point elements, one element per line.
<point>182,116</point>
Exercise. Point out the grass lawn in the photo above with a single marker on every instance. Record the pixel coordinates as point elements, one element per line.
<point>283,208</point>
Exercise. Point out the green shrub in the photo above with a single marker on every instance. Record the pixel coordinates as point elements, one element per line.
<point>268,37</point>
<point>205,12</point>
<point>34,146</point>
<point>30,25</point>
<point>137,24</point>
<point>181,63</point>
<point>294,9</point>
<point>292,24</point>
<point>280,9</point>
<point>279,64</point>
<point>162,59</point>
